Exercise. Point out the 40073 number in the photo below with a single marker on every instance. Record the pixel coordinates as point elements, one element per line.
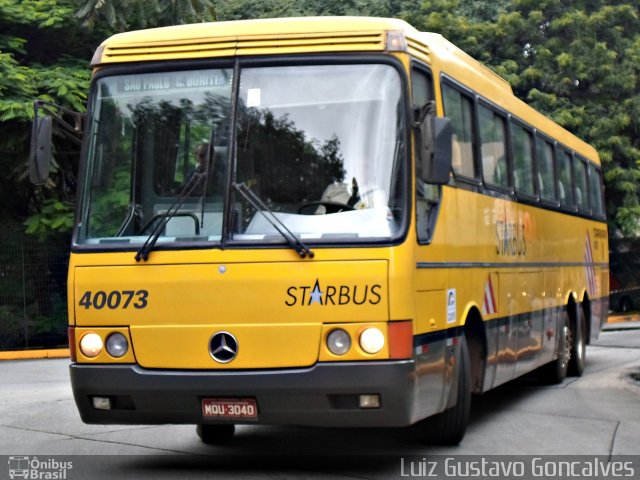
<point>114,299</point>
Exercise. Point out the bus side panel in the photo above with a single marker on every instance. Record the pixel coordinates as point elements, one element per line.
<point>429,353</point>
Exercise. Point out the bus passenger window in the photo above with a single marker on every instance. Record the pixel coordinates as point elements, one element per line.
<point>522,159</point>
<point>544,155</point>
<point>492,139</point>
<point>582,198</point>
<point>459,109</point>
<point>565,190</point>
<point>595,187</point>
<point>421,88</point>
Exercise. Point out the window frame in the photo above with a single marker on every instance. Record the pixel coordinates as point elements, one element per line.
<point>578,158</point>
<point>540,136</point>
<point>509,189</point>
<point>597,170</point>
<point>519,194</point>
<point>448,82</point>
<point>424,238</point>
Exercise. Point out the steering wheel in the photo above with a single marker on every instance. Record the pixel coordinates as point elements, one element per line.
<point>330,207</point>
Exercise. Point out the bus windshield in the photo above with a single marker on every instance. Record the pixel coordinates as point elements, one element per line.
<point>321,146</point>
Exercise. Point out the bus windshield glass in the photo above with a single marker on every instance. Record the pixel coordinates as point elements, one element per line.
<point>321,146</point>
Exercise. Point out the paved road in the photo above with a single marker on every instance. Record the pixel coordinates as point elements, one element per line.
<point>597,414</point>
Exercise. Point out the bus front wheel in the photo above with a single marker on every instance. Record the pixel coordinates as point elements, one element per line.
<point>215,434</point>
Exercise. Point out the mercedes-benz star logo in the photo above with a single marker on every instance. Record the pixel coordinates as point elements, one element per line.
<point>223,347</point>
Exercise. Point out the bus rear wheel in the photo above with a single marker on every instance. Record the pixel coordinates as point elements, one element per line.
<point>216,434</point>
<point>578,345</point>
<point>448,427</point>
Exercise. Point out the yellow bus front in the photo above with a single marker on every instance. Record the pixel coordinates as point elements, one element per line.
<point>240,253</point>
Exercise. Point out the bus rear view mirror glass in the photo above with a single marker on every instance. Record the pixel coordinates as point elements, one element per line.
<point>40,155</point>
<point>435,150</point>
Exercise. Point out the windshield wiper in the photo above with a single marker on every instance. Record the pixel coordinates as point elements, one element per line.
<point>275,222</point>
<point>199,176</point>
<point>184,193</point>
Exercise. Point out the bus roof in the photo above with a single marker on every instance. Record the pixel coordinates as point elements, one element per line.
<point>250,37</point>
<point>324,34</point>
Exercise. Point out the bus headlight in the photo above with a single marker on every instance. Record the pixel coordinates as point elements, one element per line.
<point>338,342</point>
<point>372,340</point>
<point>117,345</point>
<point>91,345</point>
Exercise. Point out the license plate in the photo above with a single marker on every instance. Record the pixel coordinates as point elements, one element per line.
<point>244,408</point>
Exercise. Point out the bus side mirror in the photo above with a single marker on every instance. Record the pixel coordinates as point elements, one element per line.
<point>434,148</point>
<point>40,154</point>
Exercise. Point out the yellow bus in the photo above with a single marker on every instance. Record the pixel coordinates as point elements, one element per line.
<point>326,222</point>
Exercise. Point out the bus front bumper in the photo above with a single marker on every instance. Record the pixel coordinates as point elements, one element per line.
<point>326,394</point>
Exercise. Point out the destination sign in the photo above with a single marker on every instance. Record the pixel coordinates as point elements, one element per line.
<point>153,82</point>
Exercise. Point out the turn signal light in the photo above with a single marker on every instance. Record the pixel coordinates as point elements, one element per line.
<point>400,339</point>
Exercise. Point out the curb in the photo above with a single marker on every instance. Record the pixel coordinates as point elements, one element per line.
<point>33,354</point>
<point>634,317</point>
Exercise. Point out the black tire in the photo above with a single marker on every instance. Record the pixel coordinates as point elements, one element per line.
<point>216,434</point>
<point>556,371</point>
<point>578,345</point>
<point>448,427</point>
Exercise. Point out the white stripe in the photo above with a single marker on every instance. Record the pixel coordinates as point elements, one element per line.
<point>489,305</point>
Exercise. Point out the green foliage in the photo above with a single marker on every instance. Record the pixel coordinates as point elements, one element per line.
<point>54,216</point>
<point>124,15</point>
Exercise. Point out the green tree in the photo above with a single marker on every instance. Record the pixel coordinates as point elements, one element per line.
<point>34,63</point>
<point>121,15</point>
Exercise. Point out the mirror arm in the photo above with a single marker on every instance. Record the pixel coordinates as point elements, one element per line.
<point>57,112</point>
<point>420,113</point>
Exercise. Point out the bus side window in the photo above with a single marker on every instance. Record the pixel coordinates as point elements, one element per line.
<point>565,181</point>
<point>582,192</point>
<point>595,187</point>
<point>421,87</point>
<point>459,109</point>
<point>492,129</point>
<point>521,150</point>
<point>544,156</point>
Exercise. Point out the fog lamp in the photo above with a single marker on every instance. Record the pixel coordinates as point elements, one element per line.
<point>101,403</point>
<point>117,345</point>
<point>338,342</point>
<point>91,345</point>
<point>372,340</point>
<point>369,401</point>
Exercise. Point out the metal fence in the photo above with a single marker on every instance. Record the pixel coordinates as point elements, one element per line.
<point>33,290</point>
